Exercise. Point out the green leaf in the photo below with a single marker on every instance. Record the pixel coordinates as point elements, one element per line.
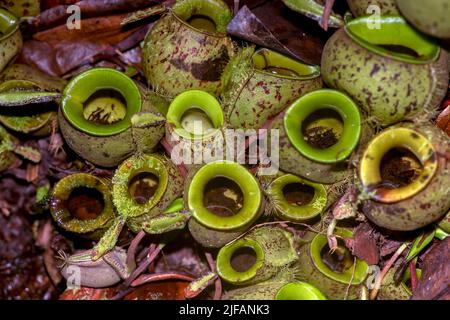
<point>176,205</point>
<point>419,244</point>
<point>199,285</point>
<point>314,10</point>
<point>41,203</point>
<point>26,98</point>
<point>42,192</point>
<point>441,234</point>
<point>166,222</point>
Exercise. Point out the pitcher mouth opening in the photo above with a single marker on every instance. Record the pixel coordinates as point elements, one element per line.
<point>101,102</point>
<point>275,64</point>
<point>223,195</point>
<point>239,261</point>
<point>340,264</point>
<point>139,184</point>
<point>196,117</point>
<point>299,291</point>
<point>142,187</point>
<point>205,16</point>
<point>324,126</point>
<point>339,260</point>
<point>195,114</point>
<point>85,203</point>
<point>399,167</point>
<point>243,259</point>
<point>297,199</point>
<point>394,38</point>
<point>81,203</point>
<point>298,194</point>
<point>105,107</point>
<point>397,164</point>
<point>202,22</point>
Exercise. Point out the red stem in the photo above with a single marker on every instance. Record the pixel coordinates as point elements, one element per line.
<point>326,14</point>
<point>144,252</point>
<point>131,254</point>
<point>412,271</point>
<point>192,294</point>
<point>236,7</point>
<point>217,283</point>
<point>147,278</point>
<point>143,266</point>
<point>385,270</point>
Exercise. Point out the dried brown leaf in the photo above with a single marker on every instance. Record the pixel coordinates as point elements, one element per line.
<point>434,283</point>
<point>274,26</point>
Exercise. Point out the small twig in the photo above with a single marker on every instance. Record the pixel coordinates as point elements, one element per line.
<point>131,253</point>
<point>217,282</point>
<point>190,294</point>
<point>147,278</point>
<point>445,155</point>
<point>164,259</point>
<point>279,223</point>
<point>326,14</point>
<point>332,240</point>
<point>236,6</point>
<point>145,252</point>
<point>143,266</point>
<point>124,59</point>
<point>351,279</point>
<point>122,293</point>
<point>379,280</point>
<point>412,271</point>
<point>443,293</point>
<point>55,145</point>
